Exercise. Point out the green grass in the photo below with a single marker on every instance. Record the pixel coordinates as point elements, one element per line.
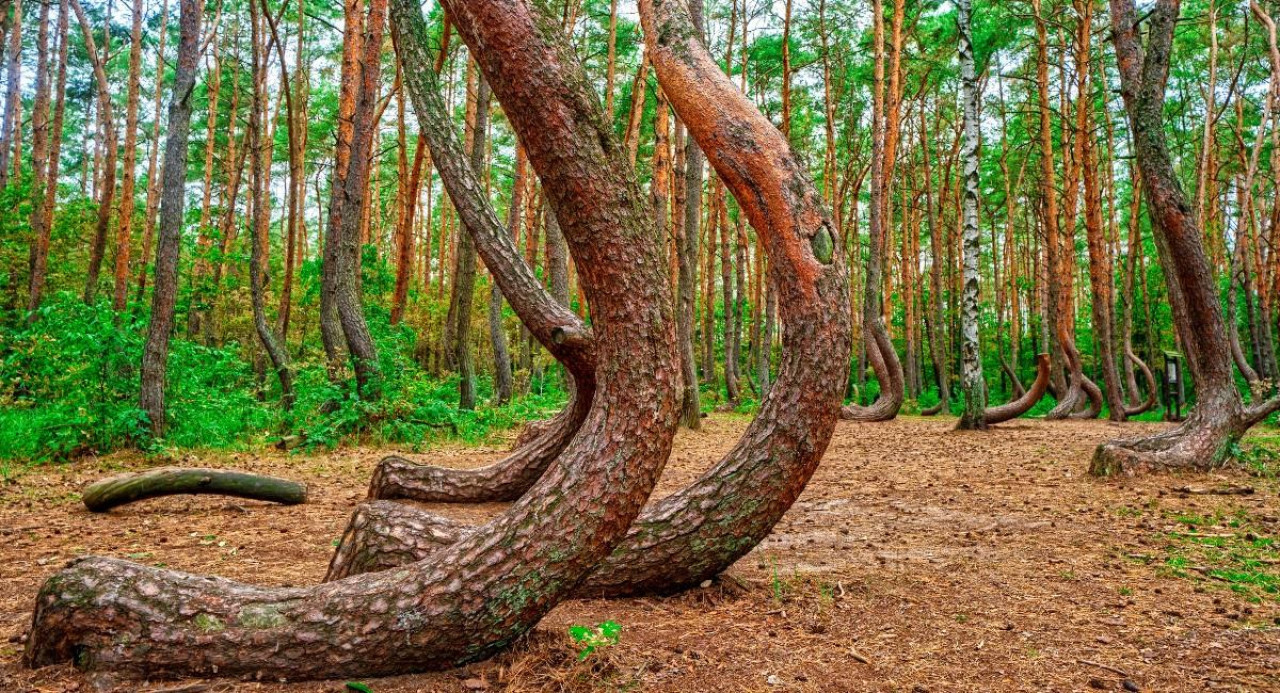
<point>1228,550</point>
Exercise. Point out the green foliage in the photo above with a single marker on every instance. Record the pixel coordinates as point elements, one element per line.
<point>590,639</point>
<point>69,386</point>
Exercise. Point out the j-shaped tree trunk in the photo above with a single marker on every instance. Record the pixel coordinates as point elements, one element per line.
<point>1029,398</point>
<point>880,352</point>
<point>475,597</point>
<point>155,353</point>
<point>551,322</point>
<point>1219,418</point>
<point>973,384</point>
<point>698,532</point>
<point>1059,256</point>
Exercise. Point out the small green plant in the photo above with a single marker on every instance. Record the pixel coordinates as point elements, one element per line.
<point>1260,460</point>
<point>591,639</point>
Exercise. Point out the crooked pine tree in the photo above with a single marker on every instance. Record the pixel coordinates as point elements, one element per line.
<point>475,597</point>
<point>701,530</point>
<point>1220,417</point>
<point>556,327</point>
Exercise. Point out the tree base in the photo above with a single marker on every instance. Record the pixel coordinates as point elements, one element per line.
<point>1198,445</point>
<point>503,481</point>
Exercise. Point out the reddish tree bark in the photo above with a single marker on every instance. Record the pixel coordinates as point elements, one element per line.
<point>477,596</point>
<point>124,224</point>
<point>107,189</point>
<point>880,351</point>
<point>700,531</point>
<point>549,321</point>
<point>1219,418</point>
<point>46,191</point>
<point>1028,399</point>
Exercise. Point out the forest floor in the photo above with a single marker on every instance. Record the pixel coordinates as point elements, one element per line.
<point>919,559</point>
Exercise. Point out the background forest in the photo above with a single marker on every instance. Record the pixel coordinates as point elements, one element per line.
<point>87,83</point>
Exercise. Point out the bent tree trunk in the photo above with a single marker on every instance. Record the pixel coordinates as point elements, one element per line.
<point>1030,398</point>
<point>475,597</point>
<point>880,352</point>
<point>1148,377</point>
<point>703,529</point>
<point>556,327</point>
<point>123,489</point>
<point>1219,418</point>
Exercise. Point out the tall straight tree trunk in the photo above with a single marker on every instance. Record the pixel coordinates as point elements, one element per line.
<point>350,200</point>
<point>975,388</point>
<point>106,190</point>
<point>124,225</point>
<point>9,125</point>
<point>44,170</point>
<point>42,229</point>
<point>937,331</point>
<point>1100,266</point>
<point>465,263</point>
<point>331,330</point>
<point>504,385</point>
<point>688,256</point>
<point>155,355</point>
<point>153,159</point>
<point>260,147</point>
<point>1219,418</point>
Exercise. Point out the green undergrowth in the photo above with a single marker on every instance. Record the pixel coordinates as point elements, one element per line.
<point>69,387</point>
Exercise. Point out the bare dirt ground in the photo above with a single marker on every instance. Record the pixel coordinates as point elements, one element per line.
<point>919,559</point>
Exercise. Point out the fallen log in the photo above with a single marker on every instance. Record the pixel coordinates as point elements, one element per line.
<point>123,489</point>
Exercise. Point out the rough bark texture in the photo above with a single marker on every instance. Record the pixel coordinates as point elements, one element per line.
<point>1219,417</point>
<point>975,387</point>
<point>120,490</point>
<point>353,194</point>
<point>700,531</point>
<point>477,596</point>
<point>691,414</point>
<point>260,225</point>
<point>549,321</point>
<point>464,267</point>
<point>46,196</point>
<point>107,191</point>
<point>1029,399</point>
<point>155,354</point>
<point>128,183</point>
<point>880,351</point>
<point>13,93</point>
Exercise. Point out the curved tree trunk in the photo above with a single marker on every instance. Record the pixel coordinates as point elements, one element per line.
<point>549,321</point>
<point>1219,418</point>
<point>1012,373</point>
<point>1150,378</point>
<point>1029,398</point>
<point>702,530</point>
<point>880,352</point>
<point>475,597</point>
